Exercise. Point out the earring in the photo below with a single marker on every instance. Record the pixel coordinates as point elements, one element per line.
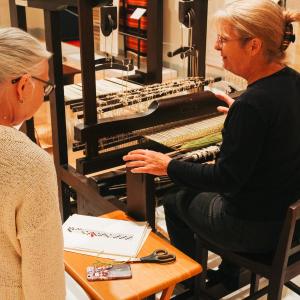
<point>21,100</point>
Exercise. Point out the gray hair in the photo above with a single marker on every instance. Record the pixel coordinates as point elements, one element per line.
<point>263,19</point>
<point>19,53</point>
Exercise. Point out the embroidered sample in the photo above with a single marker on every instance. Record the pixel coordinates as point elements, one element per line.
<point>94,233</point>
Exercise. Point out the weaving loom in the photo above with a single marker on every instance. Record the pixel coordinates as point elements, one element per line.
<point>161,117</point>
<point>133,117</point>
<point>72,182</point>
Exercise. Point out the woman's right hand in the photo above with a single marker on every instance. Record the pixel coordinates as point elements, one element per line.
<point>228,100</point>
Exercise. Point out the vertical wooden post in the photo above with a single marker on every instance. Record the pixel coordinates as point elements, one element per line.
<point>57,105</point>
<point>18,19</point>
<point>154,41</point>
<point>86,33</point>
<point>140,197</point>
<point>199,33</point>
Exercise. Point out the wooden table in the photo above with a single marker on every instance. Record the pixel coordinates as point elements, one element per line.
<point>147,279</point>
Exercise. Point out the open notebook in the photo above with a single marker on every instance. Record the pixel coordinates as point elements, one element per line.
<point>104,237</point>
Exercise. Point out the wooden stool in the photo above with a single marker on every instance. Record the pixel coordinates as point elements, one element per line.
<point>147,279</point>
<point>279,267</point>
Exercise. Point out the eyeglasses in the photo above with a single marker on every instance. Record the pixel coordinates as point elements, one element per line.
<point>221,40</point>
<point>48,87</point>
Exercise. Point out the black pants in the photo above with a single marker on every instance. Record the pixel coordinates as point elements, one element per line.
<point>188,212</point>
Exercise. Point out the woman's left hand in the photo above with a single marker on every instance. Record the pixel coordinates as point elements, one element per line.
<point>147,161</point>
<point>227,99</point>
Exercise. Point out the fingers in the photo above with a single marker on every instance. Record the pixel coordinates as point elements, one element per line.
<point>133,156</point>
<point>141,154</point>
<point>136,160</point>
<point>135,164</point>
<point>139,151</point>
<point>144,170</point>
<point>148,169</point>
<point>224,97</point>
<point>147,161</point>
<point>223,109</point>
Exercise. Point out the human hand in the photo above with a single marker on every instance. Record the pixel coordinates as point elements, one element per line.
<point>147,161</point>
<point>228,100</point>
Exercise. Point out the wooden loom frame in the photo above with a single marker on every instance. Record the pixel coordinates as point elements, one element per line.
<point>68,177</point>
<point>89,201</point>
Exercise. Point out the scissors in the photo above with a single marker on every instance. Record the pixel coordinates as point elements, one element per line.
<point>159,256</point>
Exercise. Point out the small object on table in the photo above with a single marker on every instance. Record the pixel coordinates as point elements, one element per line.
<point>159,256</point>
<point>109,272</point>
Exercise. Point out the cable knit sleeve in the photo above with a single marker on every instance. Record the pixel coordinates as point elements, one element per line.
<point>39,231</point>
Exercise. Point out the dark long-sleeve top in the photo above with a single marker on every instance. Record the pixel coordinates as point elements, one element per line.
<point>258,169</point>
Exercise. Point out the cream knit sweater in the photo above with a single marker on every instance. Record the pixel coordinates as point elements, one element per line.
<point>31,246</point>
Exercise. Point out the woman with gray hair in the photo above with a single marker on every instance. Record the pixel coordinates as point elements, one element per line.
<point>241,200</point>
<point>31,241</point>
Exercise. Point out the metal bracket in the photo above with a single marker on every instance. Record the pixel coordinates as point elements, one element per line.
<point>108,19</point>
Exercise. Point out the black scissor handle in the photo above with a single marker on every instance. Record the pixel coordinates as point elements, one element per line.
<point>167,258</point>
<point>159,256</point>
<point>158,252</point>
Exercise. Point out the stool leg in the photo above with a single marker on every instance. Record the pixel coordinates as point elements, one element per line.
<point>203,263</point>
<point>254,283</point>
<point>275,288</point>
<point>167,293</point>
<point>201,257</point>
<point>292,286</point>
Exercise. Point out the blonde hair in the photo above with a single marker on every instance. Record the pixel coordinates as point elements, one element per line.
<point>19,53</point>
<point>263,19</point>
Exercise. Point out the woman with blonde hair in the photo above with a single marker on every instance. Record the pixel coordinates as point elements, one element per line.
<point>241,200</point>
<point>31,242</point>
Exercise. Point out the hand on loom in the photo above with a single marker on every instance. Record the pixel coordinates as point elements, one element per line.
<point>147,161</point>
<point>228,100</point>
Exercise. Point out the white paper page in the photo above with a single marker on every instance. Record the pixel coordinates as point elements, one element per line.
<point>112,237</point>
<point>113,257</point>
<point>138,13</point>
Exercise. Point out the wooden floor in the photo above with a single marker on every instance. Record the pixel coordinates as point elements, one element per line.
<point>75,292</point>
<point>286,295</point>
